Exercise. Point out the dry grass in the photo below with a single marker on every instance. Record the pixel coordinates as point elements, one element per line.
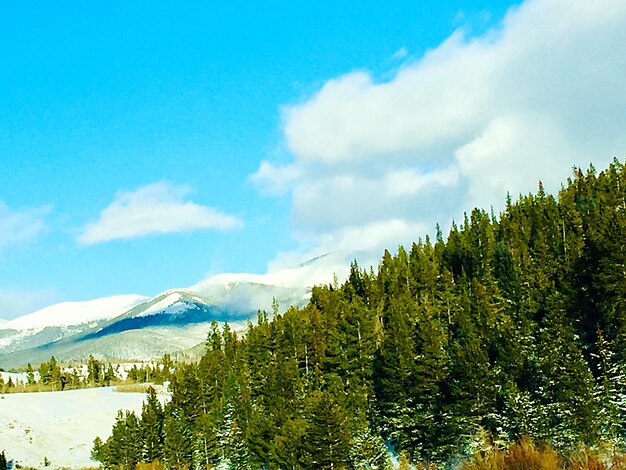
<point>422,466</point>
<point>40,387</point>
<point>587,460</point>
<point>29,388</point>
<point>133,388</point>
<point>618,462</point>
<point>525,455</point>
<point>150,466</point>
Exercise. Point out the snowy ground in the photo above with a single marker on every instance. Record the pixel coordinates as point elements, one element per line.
<point>60,425</point>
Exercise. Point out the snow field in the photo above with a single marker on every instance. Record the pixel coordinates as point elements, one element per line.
<point>61,425</point>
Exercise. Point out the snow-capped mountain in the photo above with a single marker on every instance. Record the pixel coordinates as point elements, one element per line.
<point>137,327</point>
<point>76,313</point>
<point>61,320</point>
<point>289,286</point>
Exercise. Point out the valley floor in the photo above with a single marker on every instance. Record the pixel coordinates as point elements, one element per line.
<point>60,426</point>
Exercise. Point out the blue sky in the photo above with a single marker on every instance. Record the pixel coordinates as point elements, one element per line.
<point>146,145</point>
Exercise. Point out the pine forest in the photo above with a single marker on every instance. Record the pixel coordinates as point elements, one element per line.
<point>511,327</point>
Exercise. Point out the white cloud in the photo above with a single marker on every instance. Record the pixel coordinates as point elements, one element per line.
<point>21,226</point>
<point>408,182</point>
<point>371,236</point>
<point>379,162</point>
<point>275,180</point>
<point>352,118</point>
<point>332,203</point>
<point>511,152</point>
<point>155,208</point>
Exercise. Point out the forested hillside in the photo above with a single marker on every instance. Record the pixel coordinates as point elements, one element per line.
<point>511,326</point>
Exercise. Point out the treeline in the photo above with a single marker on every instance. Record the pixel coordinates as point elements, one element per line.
<point>510,327</point>
<point>53,376</point>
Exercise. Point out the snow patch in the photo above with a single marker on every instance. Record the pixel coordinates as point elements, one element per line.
<point>17,337</point>
<point>16,377</point>
<point>163,306</point>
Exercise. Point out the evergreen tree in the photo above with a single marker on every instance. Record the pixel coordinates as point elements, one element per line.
<point>327,441</point>
<point>152,428</point>
<point>369,451</point>
<point>610,393</point>
<point>178,441</point>
<point>94,370</point>
<point>566,387</point>
<point>30,374</point>
<point>287,449</point>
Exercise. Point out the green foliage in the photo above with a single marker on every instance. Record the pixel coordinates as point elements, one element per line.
<point>50,373</point>
<point>30,374</point>
<point>152,428</point>
<point>514,326</point>
<point>327,441</point>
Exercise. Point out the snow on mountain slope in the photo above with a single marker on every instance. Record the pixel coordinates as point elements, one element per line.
<point>221,289</point>
<point>290,286</point>
<point>75,313</point>
<point>243,294</point>
<point>139,344</point>
<point>170,304</point>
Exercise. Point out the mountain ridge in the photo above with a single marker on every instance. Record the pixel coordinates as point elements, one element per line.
<point>175,319</point>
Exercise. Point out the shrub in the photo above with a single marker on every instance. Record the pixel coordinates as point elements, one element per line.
<point>523,455</point>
